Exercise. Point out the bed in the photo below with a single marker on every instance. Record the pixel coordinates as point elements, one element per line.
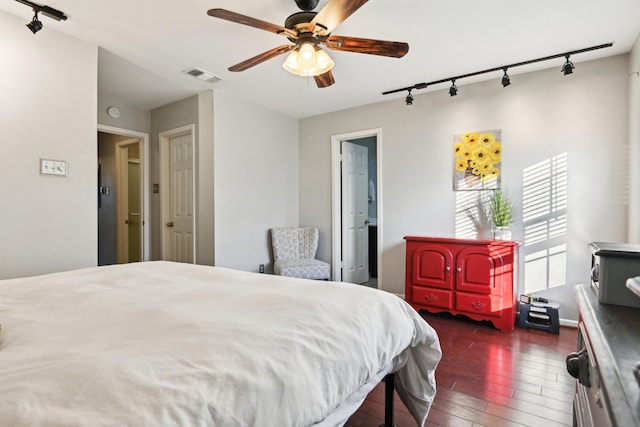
<point>169,344</point>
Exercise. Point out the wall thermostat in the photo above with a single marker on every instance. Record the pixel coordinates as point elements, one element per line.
<point>113,112</point>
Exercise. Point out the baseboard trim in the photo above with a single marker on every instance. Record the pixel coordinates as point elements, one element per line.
<point>568,322</point>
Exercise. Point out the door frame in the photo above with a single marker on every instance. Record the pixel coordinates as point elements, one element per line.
<point>164,138</point>
<point>336,197</point>
<point>145,173</point>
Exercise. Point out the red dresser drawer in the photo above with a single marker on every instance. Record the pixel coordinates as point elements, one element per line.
<point>477,303</point>
<point>432,297</point>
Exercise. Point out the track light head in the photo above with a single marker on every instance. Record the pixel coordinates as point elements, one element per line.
<point>35,25</point>
<point>568,66</point>
<point>506,80</point>
<point>409,99</point>
<point>453,90</point>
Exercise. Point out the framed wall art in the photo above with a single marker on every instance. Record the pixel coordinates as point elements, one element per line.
<point>477,158</point>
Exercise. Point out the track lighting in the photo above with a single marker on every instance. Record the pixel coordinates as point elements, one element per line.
<point>453,90</point>
<point>506,80</point>
<point>409,99</point>
<point>568,66</point>
<point>35,25</point>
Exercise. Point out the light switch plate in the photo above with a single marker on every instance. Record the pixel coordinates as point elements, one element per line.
<point>53,167</point>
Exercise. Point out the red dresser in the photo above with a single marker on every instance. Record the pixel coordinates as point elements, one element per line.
<point>476,278</point>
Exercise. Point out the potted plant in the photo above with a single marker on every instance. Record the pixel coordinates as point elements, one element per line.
<point>501,212</point>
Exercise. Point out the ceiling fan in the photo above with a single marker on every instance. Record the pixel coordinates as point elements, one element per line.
<point>308,30</point>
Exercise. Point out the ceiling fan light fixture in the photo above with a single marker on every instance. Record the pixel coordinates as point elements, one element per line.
<point>308,61</point>
<point>325,63</point>
<point>307,56</point>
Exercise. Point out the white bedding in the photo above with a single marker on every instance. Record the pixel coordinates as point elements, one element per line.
<point>168,344</point>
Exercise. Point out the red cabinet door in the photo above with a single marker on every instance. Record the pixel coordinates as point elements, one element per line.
<point>432,266</point>
<point>479,270</point>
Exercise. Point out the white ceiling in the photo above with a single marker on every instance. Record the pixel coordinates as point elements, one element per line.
<point>146,44</point>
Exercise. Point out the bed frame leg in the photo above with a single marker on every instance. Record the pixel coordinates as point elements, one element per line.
<point>388,401</point>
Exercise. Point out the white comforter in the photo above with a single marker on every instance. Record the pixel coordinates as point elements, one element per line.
<point>167,344</point>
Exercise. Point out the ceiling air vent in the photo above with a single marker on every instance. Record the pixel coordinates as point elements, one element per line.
<point>200,74</point>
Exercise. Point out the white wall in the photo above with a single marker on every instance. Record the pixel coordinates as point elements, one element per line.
<point>256,180</point>
<point>48,110</point>
<point>541,114</point>
<point>206,179</point>
<point>131,118</point>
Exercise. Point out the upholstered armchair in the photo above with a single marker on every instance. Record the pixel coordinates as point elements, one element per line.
<point>294,252</point>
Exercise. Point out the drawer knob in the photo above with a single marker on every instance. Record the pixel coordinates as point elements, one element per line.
<point>595,273</point>
<point>572,364</point>
<point>578,366</point>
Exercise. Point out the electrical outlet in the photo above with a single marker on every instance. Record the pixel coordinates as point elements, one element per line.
<point>261,268</point>
<point>53,167</point>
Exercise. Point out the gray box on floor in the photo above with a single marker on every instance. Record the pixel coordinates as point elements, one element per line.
<point>611,265</point>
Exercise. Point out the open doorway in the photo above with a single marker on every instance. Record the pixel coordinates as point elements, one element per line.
<point>122,195</point>
<point>356,222</point>
<point>128,201</point>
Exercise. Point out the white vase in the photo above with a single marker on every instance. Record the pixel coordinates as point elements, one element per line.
<point>483,233</point>
<point>502,233</point>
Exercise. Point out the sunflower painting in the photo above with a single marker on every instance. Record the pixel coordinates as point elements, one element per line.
<point>477,159</point>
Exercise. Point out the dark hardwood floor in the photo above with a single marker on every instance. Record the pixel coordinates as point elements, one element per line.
<point>490,378</point>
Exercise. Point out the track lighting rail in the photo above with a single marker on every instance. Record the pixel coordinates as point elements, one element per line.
<point>45,10</point>
<point>500,68</point>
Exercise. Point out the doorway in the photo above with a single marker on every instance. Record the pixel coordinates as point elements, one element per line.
<point>356,246</point>
<point>129,201</point>
<point>122,196</point>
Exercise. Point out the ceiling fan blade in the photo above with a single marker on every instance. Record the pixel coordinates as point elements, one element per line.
<point>334,12</point>
<point>246,20</point>
<point>324,80</point>
<point>368,46</point>
<point>258,59</point>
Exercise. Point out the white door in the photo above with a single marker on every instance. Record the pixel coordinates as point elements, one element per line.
<point>355,217</point>
<point>181,204</point>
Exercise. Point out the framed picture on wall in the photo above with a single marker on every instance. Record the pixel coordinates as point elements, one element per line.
<point>477,158</point>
